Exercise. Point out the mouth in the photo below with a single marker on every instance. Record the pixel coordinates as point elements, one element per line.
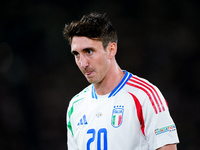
<point>88,73</point>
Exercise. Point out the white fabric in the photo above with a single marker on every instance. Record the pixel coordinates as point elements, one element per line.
<point>134,116</point>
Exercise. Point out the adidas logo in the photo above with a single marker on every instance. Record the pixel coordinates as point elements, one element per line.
<point>82,121</point>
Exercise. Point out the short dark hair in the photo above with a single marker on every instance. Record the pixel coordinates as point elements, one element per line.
<point>94,26</point>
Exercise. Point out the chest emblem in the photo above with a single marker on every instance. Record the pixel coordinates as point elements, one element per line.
<point>117,116</point>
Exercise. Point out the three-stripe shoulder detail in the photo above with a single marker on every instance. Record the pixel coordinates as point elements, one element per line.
<point>71,110</point>
<point>150,90</point>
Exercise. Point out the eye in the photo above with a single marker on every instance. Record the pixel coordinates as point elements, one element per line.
<point>89,51</point>
<point>75,53</point>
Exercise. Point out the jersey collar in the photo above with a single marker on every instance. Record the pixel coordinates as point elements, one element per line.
<point>126,77</point>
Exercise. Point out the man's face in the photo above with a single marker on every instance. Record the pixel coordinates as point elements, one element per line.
<point>91,58</point>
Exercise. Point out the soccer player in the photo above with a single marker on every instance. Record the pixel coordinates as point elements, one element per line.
<point>118,110</point>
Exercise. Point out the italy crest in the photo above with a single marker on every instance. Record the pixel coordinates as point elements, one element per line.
<point>117,116</point>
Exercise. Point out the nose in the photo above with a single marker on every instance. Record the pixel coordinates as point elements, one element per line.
<point>83,61</point>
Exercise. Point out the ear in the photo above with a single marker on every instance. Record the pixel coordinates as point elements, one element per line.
<point>112,50</point>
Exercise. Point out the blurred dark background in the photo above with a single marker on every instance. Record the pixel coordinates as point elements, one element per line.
<point>158,40</point>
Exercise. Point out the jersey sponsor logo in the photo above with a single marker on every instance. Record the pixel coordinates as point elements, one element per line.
<point>82,121</point>
<point>117,116</point>
<point>165,129</point>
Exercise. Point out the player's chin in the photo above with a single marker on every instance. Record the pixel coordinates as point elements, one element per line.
<point>90,80</point>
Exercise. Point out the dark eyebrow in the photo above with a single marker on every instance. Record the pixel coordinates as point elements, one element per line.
<point>88,48</point>
<point>74,52</point>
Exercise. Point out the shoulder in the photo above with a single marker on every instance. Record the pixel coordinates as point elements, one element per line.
<point>82,94</point>
<point>146,93</point>
<point>141,84</point>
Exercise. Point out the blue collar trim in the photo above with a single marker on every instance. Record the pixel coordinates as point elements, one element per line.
<point>126,77</point>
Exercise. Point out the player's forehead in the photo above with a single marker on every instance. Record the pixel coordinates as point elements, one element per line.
<point>81,42</point>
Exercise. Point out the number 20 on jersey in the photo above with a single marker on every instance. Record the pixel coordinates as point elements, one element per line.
<point>101,138</point>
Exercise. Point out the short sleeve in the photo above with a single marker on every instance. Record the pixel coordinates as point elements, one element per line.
<point>159,127</point>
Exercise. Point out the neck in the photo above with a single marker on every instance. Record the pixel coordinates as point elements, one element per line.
<point>112,79</point>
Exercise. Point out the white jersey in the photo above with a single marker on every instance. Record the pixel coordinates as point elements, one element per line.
<point>134,116</point>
